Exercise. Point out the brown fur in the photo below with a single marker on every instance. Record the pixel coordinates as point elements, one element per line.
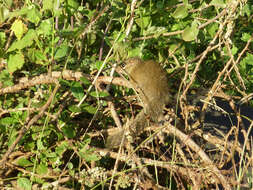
<point>150,82</point>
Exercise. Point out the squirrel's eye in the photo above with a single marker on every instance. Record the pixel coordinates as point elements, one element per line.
<point>123,64</point>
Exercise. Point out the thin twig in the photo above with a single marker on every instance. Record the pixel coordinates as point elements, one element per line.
<point>26,127</point>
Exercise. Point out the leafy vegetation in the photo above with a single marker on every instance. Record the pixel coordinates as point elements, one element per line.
<point>52,118</point>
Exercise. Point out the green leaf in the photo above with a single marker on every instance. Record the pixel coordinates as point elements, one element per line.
<point>4,13</point>
<point>19,28</point>
<point>108,42</point>
<point>29,146</point>
<point>86,140</point>
<point>121,49</point>
<point>85,81</point>
<point>143,22</point>
<point>34,15</point>
<point>246,67</point>
<point>51,155</point>
<point>39,56</point>
<point>24,183</point>
<point>234,50</point>
<point>70,165</point>
<point>2,39</point>
<point>135,52</point>
<point>61,52</point>
<point>190,33</point>
<point>61,148</point>
<point>12,137</point>
<point>26,41</point>
<point>69,132</point>
<point>248,60</point>
<point>15,62</point>
<point>77,90</point>
<point>65,82</point>
<point>8,3</point>
<point>75,109</point>
<point>42,169</point>
<point>91,38</point>
<point>180,12</point>
<point>48,5</point>
<point>19,12</point>
<point>89,156</point>
<point>218,3</point>
<point>98,64</point>
<point>8,121</point>
<point>90,109</point>
<point>245,37</point>
<point>159,5</point>
<point>40,145</point>
<point>157,31</point>
<point>121,37</point>
<point>45,28</point>
<point>73,4</point>
<point>246,10</point>
<point>212,29</point>
<point>99,94</point>
<point>23,162</point>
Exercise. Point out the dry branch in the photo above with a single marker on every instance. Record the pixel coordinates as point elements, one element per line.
<point>43,79</point>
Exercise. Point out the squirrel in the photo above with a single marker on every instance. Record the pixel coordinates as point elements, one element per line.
<point>149,80</point>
